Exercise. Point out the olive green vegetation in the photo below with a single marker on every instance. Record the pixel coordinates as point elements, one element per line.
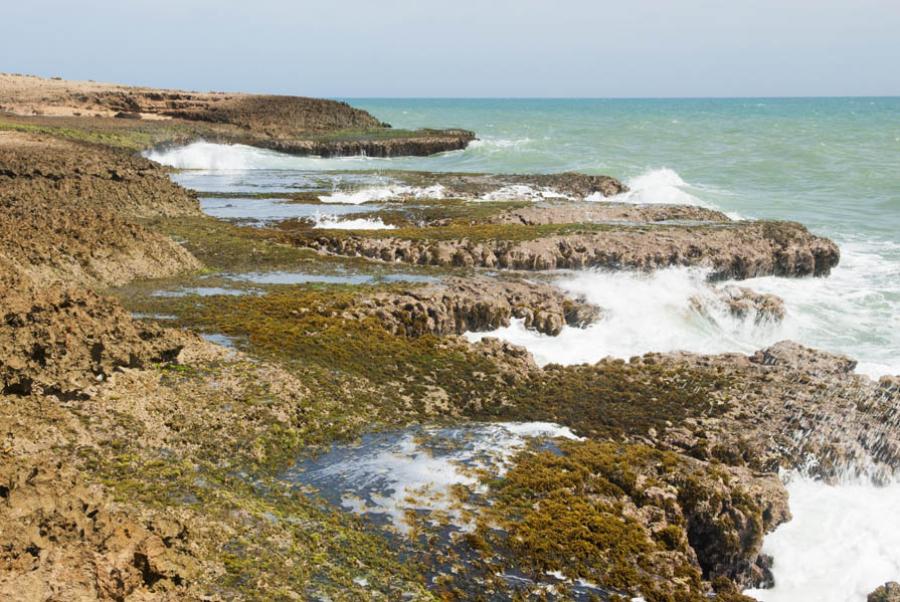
<point>613,398</point>
<point>126,139</point>
<point>269,541</point>
<point>139,134</point>
<point>572,511</point>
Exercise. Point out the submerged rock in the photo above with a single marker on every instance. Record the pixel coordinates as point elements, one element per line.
<point>742,302</point>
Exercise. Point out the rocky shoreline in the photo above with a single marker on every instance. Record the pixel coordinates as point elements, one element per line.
<point>142,462</point>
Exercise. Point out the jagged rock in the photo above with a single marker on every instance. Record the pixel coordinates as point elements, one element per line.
<point>789,406</point>
<point>458,305</point>
<point>63,541</point>
<point>739,250</point>
<point>889,592</point>
<point>63,340</point>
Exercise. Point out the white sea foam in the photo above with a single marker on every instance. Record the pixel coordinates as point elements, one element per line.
<point>217,157</point>
<point>843,542</point>
<point>333,222</point>
<point>499,143</point>
<point>644,312</point>
<point>416,471</point>
<point>657,186</point>
<point>855,310</point>
<point>522,192</point>
<point>384,193</point>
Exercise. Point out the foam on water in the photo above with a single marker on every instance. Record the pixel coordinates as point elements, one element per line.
<point>843,542</point>
<point>391,474</point>
<point>264,211</point>
<point>643,312</point>
<point>333,222</point>
<point>384,193</point>
<point>854,311</point>
<point>522,192</point>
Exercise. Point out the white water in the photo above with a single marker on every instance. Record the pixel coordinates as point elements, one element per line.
<point>843,542</point>
<point>523,192</point>
<point>644,312</point>
<point>333,222</point>
<point>384,193</point>
<point>392,474</point>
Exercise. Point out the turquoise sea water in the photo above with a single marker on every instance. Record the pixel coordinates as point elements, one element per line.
<point>832,163</point>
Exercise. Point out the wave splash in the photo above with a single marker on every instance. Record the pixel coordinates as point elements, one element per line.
<point>843,542</point>
<point>334,222</point>
<point>667,310</point>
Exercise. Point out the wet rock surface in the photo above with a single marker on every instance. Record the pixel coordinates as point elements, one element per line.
<point>743,303</point>
<point>569,213</point>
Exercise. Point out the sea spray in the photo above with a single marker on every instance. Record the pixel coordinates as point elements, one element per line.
<point>843,542</point>
<point>667,310</point>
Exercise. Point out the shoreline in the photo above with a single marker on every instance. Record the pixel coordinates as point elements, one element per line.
<point>114,420</point>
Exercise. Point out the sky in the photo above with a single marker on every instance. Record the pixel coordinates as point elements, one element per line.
<point>465,48</point>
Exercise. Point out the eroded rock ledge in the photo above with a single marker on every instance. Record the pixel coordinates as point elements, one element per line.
<point>737,250</point>
<point>458,305</point>
<point>290,124</point>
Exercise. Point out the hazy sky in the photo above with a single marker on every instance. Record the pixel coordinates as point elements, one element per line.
<point>347,48</point>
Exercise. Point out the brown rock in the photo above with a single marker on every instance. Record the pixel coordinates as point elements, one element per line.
<point>458,305</point>
<point>738,250</point>
<point>889,592</point>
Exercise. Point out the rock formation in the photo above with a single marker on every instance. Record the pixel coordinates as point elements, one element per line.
<point>739,250</point>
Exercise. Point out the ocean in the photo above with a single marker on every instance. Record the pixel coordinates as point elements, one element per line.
<point>832,164</point>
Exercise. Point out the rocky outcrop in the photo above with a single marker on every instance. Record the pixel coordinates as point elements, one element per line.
<point>419,143</point>
<point>794,407</point>
<point>458,305</point>
<point>85,176</point>
<point>889,592</point>
<point>64,341</point>
<point>739,250</point>
<point>502,187</point>
<point>593,213</point>
<point>742,303</point>
<point>291,124</point>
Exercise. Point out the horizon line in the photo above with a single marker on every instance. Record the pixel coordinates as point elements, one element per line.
<point>796,97</point>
